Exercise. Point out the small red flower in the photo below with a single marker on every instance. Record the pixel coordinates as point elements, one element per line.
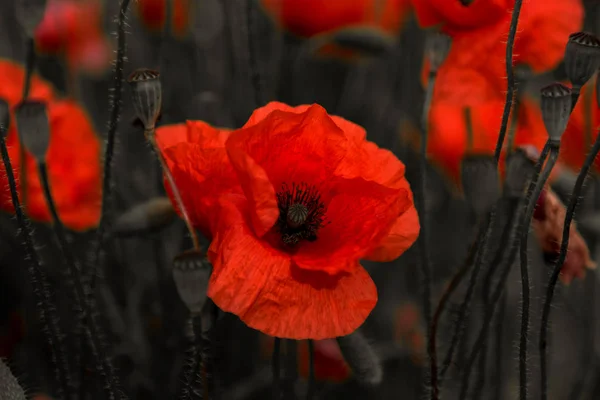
<point>73,157</point>
<point>74,29</point>
<point>292,201</point>
<point>153,14</point>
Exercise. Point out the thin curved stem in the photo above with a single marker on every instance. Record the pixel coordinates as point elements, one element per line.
<point>115,114</point>
<point>174,189</point>
<point>505,270</point>
<point>30,60</point>
<point>465,305</point>
<point>311,370</point>
<point>510,78</point>
<point>73,272</point>
<point>424,239</point>
<point>564,246</point>
<point>497,387</point>
<point>47,310</point>
<point>525,296</point>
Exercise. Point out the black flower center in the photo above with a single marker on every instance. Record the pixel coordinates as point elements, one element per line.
<point>301,213</point>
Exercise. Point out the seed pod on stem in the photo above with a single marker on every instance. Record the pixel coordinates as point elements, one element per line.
<point>146,94</point>
<point>34,127</point>
<point>437,46</point>
<point>480,181</point>
<point>191,272</point>
<point>556,109</point>
<point>29,14</point>
<point>582,59</point>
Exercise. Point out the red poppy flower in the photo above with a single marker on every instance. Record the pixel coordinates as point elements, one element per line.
<point>153,14</point>
<point>308,18</point>
<point>582,129</point>
<point>74,28</point>
<point>73,157</point>
<point>293,200</point>
<point>449,138</point>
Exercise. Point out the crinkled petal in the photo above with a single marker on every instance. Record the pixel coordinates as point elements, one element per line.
<point>284,148</point>
<point>453,16</point>
<point>400,238</point>
<point>196,132</point>
<point>262,286</point>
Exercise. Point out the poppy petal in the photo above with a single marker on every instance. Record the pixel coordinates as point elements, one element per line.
<point>402,235</point>
<point>270,294</point>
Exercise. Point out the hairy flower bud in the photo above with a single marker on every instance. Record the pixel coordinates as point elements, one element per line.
<point>191,272</point>
<point>29,14</point>
<point>480,181</point>
<point>146,94</point>
<point>582,58</point>
<point>556,109</point>
<point>437,46</point>
<point>147,217</point>
<point>4,117</point>
<point>34,127</point>
<point>519,171</point>
<point>361,358</point>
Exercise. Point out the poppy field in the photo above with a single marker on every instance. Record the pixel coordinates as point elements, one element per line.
<point>299,199</point>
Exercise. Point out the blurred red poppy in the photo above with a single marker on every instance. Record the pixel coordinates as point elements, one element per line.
<point>329,364</point>
<point>582,129</point>
<point>74,29</point>
<point>153,14</point>
<point>73,157</point>
<point>293,200</point>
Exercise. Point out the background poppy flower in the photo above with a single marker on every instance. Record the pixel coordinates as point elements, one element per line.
<point>74,29</point>
<point>582,129</point>
<point>313,198</point>
<point>153,14</point>
<point>73,157</point>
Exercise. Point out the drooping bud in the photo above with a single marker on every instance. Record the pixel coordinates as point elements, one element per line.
<point>480,181</point>
<point>361,358</point>
<point>147,217</point>
<point>519,171</point>
<point>29,14</point>
<point>191,272</point>
<point>556,109</point>
<point>4,117</point>
<point>437,46</point>
<point>33,127</point>
<point>582,58</point>
<point>146,94</point>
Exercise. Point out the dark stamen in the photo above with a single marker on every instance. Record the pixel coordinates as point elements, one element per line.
<point>301,213</point>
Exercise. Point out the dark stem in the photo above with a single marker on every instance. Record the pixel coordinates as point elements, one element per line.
<point>290,369</point>
<point>115,114</point>
<point>510,78</point>
<point>423,236</point>
<point>498,376</point>
<point>505,270</point>
<point>73,274</point>
<point>41,290</point>
<point>564,246</point>
<point>190,366</point>
<point>525,296</point>
<point>460,325</point>
<point>446,295</point>
<point>311,370</point>
<point>575,92</point>
<point>30,60</point>
<point>276,369</point>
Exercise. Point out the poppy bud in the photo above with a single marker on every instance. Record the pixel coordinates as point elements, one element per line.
<point>480,182</point>
<point>34,127</point>
<point>437,46</point>
<point>582,58</point>
<point>361,358</point>
<point>191,272</point>
<point>29,14</point>
<point>519,171</point>
<point>144,218</point>
<point>4,117</point>
<point>556,109</point>
<point>9,384</point>
<point>146,94</point>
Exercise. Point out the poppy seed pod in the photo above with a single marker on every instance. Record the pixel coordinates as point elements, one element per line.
<point>480,181</point>
<point>29,14</point>
<point>519,171</point>
<point>437,46</point>
<point>582,58</point>
<point>191,272</point>
<point>556,109</point>
<point>4,117</point>
<point>34,127</point>
<point>146,94</point>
